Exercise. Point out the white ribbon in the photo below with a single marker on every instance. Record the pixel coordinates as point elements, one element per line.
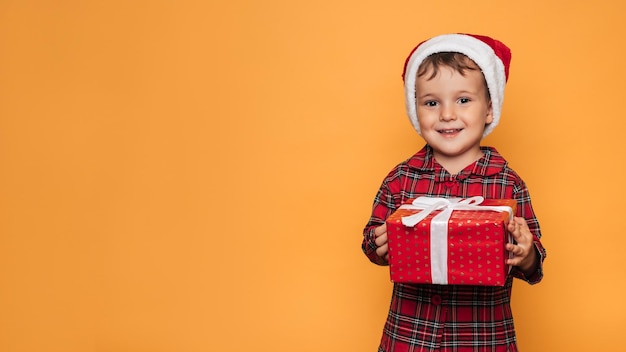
<point>439,226</point>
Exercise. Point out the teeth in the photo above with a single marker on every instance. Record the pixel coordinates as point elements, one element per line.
<point>450,131</point>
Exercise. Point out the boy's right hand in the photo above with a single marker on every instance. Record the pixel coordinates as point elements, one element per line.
<point>381,241</point>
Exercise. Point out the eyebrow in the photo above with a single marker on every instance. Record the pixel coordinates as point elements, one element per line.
<point>461,92</point>
<point>424,96</point>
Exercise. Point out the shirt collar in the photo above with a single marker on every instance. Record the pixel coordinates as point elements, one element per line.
<point>489,164</point>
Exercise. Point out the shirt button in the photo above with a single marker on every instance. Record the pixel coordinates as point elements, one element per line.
<point>435,299</point>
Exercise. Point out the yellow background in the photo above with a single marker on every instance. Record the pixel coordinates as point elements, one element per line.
<point>195,176</point>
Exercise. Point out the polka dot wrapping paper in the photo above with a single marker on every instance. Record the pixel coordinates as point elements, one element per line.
<point>475,253</point>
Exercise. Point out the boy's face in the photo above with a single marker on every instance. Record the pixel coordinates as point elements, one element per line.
<point>452,111</point>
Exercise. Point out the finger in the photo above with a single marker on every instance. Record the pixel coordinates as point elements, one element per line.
<point>515,233</point>
<point>511,225</point>
<point>522,234</point>
<point>382,250</point>
<point>514,225</point>
<point>513,261</point>
<point>515,249</point>
<point>380,240</point>
<point>510,247</point>
<point>382,229</point>
<point>518,226</point>
<point>521,224</point>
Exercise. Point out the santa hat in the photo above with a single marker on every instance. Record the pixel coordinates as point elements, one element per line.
<point>492,56</point>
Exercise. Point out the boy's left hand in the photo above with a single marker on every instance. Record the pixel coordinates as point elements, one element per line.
<point>524,253</point>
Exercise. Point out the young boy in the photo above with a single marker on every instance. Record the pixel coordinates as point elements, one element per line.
<point>454,87</point>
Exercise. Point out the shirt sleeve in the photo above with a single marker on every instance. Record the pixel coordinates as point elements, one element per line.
<point>525,210</point>
<point>383,207</point>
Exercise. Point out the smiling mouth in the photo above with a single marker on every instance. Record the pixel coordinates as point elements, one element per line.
<point>450,131</point>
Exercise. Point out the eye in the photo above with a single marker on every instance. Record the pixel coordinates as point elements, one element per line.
<point>430,103</point>
<point>464,100</point>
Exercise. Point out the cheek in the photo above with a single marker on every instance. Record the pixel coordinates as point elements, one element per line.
<point>426,117</point>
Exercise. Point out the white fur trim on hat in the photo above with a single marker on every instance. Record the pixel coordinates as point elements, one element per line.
<point>476,49</point>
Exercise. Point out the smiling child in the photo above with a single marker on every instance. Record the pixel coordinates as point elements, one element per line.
<point>454,89</point>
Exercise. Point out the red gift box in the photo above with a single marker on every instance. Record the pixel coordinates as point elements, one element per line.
<point>450,241</point>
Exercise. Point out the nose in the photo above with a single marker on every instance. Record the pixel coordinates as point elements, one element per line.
<point>447,113</point>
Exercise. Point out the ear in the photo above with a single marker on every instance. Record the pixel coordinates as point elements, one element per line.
<point>489,117</point>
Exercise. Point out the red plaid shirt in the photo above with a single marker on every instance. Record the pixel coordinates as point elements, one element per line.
<point>447,317</point>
